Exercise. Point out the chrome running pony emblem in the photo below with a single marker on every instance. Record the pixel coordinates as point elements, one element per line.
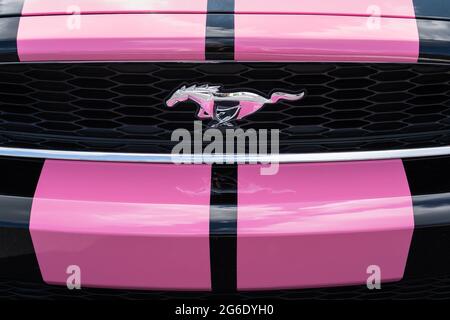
<point>226,107</point>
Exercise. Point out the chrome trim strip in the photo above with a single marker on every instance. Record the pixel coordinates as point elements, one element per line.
<point>242,158</point>
<point>425,61</point>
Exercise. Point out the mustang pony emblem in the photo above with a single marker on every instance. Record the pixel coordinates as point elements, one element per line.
<point>225,107</point>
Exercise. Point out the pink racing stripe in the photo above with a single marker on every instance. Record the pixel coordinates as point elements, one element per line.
<point>125,225</point>
<point>51,7</point>
<point>322,224</point>
<point>328,38</point>
<point>112,37</point>
<point>181,37</point>
<point>384,8</point>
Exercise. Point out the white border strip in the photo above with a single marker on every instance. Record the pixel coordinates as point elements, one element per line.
<point>240,158</point>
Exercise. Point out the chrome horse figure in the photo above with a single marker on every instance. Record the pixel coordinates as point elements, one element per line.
<point>226,107</point>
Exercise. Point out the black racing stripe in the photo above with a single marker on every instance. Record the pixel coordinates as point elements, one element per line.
<point>11,8</point>
<point>223,228</point>
<point>434,40</point>
<point>429,183</point>
<point>428,175</point>
<point>221,6</point>
<point>433,23</point>
<point>10,11</point>
<point>8,39</point>
<point>432,9</point>
<point>429,253</point>
<point>19,178</point>
<point>219,43</point>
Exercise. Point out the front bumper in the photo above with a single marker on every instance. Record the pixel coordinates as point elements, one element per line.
<point>223,228</point>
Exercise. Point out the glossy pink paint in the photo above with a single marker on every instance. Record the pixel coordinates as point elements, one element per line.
<point>52,7</point>
<point>327,38</point>
<point>125,225</point>
<point>384,8</point>
<point>112,37</point>
<point>322,224</point>
<point>181,37</point>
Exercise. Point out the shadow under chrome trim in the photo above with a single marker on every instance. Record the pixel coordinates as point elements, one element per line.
<point>225,158</point>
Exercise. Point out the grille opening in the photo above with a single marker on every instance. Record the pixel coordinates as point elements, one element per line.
<point>119,107</point>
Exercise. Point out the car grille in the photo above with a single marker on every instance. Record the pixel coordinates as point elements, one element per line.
<point>119,107</point>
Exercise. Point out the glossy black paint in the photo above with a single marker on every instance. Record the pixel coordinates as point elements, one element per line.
<point>221,6</point>
<point>429,253</point>
<point>11,8</point>
<point>18,181</point>
<point>434,44</point>
<point>223,228</point>
<point>220,30</point>
<point>432,9</point>
<point>429,182</point>
<point>432,210</point>
<point>428,176</point>
<point>18,260</point>
<point>8,39</point>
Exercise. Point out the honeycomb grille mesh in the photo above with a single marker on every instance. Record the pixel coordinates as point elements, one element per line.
<point>435,288</point>
<point>119,107</point>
